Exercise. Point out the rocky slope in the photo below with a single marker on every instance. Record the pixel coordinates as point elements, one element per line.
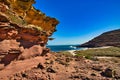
<point>67,67</point>
<point>111,38</point>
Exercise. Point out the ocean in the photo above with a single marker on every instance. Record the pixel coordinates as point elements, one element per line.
<point>57,48</point>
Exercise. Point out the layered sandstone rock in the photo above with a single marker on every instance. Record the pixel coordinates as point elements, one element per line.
<point>24,31</point>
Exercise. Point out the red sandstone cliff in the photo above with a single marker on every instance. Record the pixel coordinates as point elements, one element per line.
<point>24,31</point>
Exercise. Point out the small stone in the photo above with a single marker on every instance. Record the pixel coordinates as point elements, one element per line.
<point>48,62</point>
<point>108,72</point>
<point>40,66</point>
<point>117,74</point>
<point>51,70</point>
<point>24,75</point>
<point>97,68</point>
<point>76,76</point>
<point>67,59</point>
<point>93,74</point>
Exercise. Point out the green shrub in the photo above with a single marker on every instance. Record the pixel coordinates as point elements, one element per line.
<point>112,52</point>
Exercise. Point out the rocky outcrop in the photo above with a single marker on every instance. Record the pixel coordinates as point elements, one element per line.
<point>24,30</point>
<point>111,38</point>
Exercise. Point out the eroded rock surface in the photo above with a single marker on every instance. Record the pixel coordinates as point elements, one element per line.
<point>24,31</point>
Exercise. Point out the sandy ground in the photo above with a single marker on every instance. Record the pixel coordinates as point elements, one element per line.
<point>72,52</point>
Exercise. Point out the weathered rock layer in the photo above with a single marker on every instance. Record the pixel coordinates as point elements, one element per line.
<point>24,31</point>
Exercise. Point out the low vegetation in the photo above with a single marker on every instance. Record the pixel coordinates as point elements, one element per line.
<point>111,52</point>
<point>65,53</point>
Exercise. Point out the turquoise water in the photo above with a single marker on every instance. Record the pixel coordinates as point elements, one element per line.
<point>57,48</point>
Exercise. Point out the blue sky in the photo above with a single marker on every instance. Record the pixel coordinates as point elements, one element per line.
<point>81,20</point>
